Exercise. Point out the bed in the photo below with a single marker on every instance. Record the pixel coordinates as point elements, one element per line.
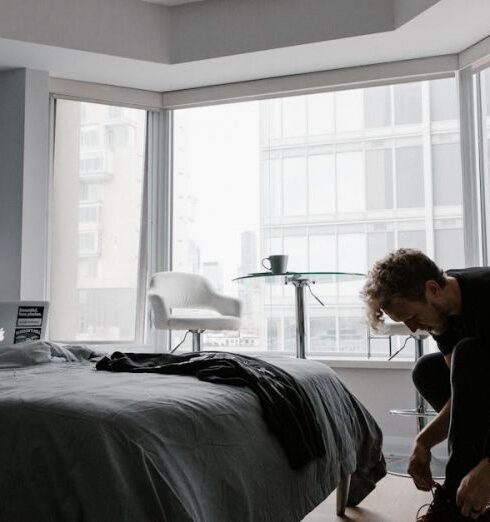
<point>82,445</point>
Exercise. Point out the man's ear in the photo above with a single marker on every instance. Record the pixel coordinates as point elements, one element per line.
<point>432,288</point>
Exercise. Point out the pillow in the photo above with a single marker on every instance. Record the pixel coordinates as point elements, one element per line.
<point>74,352</point>
<point>24,354</point>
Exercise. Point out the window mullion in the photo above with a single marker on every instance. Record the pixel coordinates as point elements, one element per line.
<point>471,218</point>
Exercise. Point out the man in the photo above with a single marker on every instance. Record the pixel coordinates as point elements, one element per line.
<point>454,307</point>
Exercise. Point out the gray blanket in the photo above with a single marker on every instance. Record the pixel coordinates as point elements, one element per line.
<point>80,445</point>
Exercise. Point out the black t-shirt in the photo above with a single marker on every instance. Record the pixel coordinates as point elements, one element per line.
<point>474,320</point>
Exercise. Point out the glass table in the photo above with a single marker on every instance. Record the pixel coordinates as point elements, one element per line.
<point>300,281</point>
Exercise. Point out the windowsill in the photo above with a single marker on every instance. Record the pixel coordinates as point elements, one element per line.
<point>372,364</point>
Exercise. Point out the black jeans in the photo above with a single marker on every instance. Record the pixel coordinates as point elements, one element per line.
<point>468,385</point>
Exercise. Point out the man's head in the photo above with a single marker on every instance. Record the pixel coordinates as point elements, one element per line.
<point>409,287</point>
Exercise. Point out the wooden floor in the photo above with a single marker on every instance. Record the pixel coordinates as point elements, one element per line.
<point>395,499</point>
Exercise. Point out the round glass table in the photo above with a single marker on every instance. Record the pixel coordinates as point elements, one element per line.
<point>301,280</point>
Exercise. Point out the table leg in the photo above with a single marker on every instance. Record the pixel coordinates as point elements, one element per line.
<point>299,289</point>
<point>420,403</point>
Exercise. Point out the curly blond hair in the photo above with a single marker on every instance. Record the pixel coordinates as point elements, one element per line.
<point>400,274</point>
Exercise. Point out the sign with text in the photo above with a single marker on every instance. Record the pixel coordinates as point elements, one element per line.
<point>28,326</point>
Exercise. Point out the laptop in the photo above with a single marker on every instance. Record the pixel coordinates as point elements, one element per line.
<point>22,321</point>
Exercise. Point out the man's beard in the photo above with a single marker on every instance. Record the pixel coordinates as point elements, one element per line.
<point>441,319</point>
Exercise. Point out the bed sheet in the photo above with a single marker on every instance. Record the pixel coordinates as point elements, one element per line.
<point>82,445</point>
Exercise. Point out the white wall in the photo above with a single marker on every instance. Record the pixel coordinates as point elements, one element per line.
<point>35,186</point>
<point>12,109</point>
<point>24,130</point>
<point>382,390</point>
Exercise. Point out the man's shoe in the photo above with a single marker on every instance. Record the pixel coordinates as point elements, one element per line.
<point>441,509</point>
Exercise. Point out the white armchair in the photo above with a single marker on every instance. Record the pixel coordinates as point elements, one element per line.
<point>178,290</point>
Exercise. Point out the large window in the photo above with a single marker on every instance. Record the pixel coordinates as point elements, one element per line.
<point>333,180</point>
<point>96,204</point>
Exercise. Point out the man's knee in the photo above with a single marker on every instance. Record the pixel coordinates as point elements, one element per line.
<point>423,372</point>
<point>431,378</point>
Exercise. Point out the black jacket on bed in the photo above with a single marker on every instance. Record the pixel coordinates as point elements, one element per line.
<point>288,412</point>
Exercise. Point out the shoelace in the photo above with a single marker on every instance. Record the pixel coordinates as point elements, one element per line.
<point>428,506</point>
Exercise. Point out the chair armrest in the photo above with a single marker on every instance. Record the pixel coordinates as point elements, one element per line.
<point>227,305</point>
<point>160,312</point>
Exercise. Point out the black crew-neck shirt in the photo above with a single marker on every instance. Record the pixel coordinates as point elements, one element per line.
<point>474,320</point>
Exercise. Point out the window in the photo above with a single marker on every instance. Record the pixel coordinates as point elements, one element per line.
<point>377,106</point>
<point>296,247</point>
<point>273,333</point>
<point>294,179</point>
<point>88,243</point>
<point>91,191</point>
<point>379,179</point>
<point>350,182</point>
<point>89,214</point>
<point>323,253</point>
<point>294,116</point>
<point>443,100</point>
<point>323,334</point>
<point>447,255</point>
<point>412,239</point>
<point>115,112</point>
<point>321,118</point>
<point>321,184</point>
<point>378,244</point>
<point>333,180</point>
<point>89,138</point>
<point>348,111</point>
<point>96,226</point>
<point>408,103</point>
<point>118,136</point>
<point>447,174</point>
<point>92,164</point>
<point>410,177</point>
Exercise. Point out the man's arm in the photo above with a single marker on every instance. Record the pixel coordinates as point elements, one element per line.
<point>430,436</point>
<point>437,430</point>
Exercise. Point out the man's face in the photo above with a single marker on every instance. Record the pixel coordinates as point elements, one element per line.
<point>429,315</point>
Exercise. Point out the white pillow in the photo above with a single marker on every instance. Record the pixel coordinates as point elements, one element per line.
<point>24,354</point>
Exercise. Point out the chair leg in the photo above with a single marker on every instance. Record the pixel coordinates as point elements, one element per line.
<point>196,340</point>
<point>342,494</point>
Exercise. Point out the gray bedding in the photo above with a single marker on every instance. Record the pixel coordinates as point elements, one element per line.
<point>80,445</point>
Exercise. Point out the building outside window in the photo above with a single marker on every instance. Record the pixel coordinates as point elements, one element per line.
<point>97,204</point>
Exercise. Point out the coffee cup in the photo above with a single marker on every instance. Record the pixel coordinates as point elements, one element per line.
<point>278,264</point>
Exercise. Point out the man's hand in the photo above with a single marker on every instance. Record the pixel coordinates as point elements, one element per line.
<point>473,494</point>
<point>419,467</point>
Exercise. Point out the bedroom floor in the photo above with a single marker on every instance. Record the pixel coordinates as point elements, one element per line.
<point>395,499</point>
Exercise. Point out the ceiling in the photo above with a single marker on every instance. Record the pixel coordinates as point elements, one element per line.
<point>447,27</point>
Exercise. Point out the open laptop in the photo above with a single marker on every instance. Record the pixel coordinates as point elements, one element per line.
<point>22,321</point>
